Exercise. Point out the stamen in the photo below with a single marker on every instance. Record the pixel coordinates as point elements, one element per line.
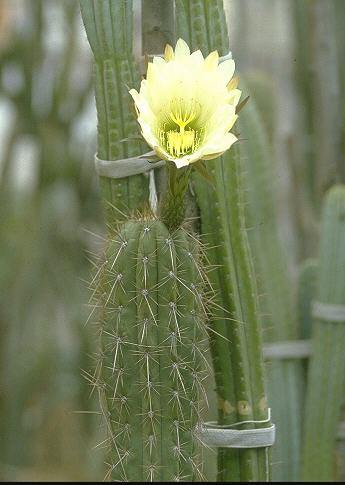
<point>180,141</point>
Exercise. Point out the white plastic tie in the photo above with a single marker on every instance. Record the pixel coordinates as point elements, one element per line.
<point>153,199</point>
<point>126,167</point>
<point>289,349</point>
<point>213,434</point>
<point>328,312</point>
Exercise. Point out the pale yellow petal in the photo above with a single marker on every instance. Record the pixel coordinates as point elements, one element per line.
<point>226,69</point>
<point>181,49</point>
<point>211,61</point>
<point>214,150</point>
<point>158,60</point>
<point>169,53</point>
<point>197,58</point>
<point>234,97</point>
<point>233,83</point>
<point>181,162</point>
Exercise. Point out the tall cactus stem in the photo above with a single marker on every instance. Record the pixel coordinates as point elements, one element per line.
<point>326,382</point>
<point>237,359</point>
<point>285,376</point>
<point>151,363</point>
<point>109,29</point>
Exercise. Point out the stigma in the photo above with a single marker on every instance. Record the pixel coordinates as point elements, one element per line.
<point>183,139</point>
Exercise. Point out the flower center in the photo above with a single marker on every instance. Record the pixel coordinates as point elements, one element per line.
<point>182,140</point>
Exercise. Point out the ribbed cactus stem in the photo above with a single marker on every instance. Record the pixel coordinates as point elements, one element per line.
<point>109,30</point>
<point>237,359</point>
<point>152,362</point>
<point>244,332</point>
<point>276,303</point>
<point>325,393</point>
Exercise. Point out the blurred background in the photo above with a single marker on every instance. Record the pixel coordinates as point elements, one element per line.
<point>291,53</point>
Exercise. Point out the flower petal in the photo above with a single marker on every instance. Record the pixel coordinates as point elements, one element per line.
<point>211,61</point>
<point>234,97</point>
<point>214,150</point>
<point>169,53</point>
<point>181,49</point>
<point>226,69</point>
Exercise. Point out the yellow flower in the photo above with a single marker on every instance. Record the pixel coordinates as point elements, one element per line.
<point>186,106</point>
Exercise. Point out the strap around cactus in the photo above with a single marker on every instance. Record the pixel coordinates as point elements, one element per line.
<point>126,167</point>
<point>289,349</point>
<point>213,434</point>
<point>328,312</point>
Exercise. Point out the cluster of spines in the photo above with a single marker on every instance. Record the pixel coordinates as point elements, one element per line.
<point>152,363</point>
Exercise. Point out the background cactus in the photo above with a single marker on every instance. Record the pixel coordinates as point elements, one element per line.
<point>152,363</point>
<point>307,288</point>
<point>327,365</point>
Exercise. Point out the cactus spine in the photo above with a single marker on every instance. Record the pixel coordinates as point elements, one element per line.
<point>109,30</point>
<point>327,366</point>
<point>237,362</point>
<point>152,360</point>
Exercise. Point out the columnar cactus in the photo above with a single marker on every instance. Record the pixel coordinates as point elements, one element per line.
<point>307,288</point>
<point>109,28</point>
<point>276,303</point>
<point>237,359</point>
<point>326,382</point>
<point>152,362</point>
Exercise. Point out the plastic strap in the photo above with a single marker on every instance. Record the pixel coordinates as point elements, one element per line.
<point>235,438</point>
<point>219,436</point>
<point>289,349</point>
<point>126,167</point>
<point>328,312</point>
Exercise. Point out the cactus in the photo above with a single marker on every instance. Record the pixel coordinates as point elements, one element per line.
<point>237,359</point>
<point>327,366</point>
<point>321,96</point>
<point>108,26</point>
<point>307,287</point>
<point>152,363</point>
<point>284,376</point>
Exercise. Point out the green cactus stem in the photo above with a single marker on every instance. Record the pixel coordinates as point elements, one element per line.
<point>152,359</point>
<point>237,358</point>
<point>307,288</point>
<point>326,382</point>
<point>109,30</point>
<point>285,376</point>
